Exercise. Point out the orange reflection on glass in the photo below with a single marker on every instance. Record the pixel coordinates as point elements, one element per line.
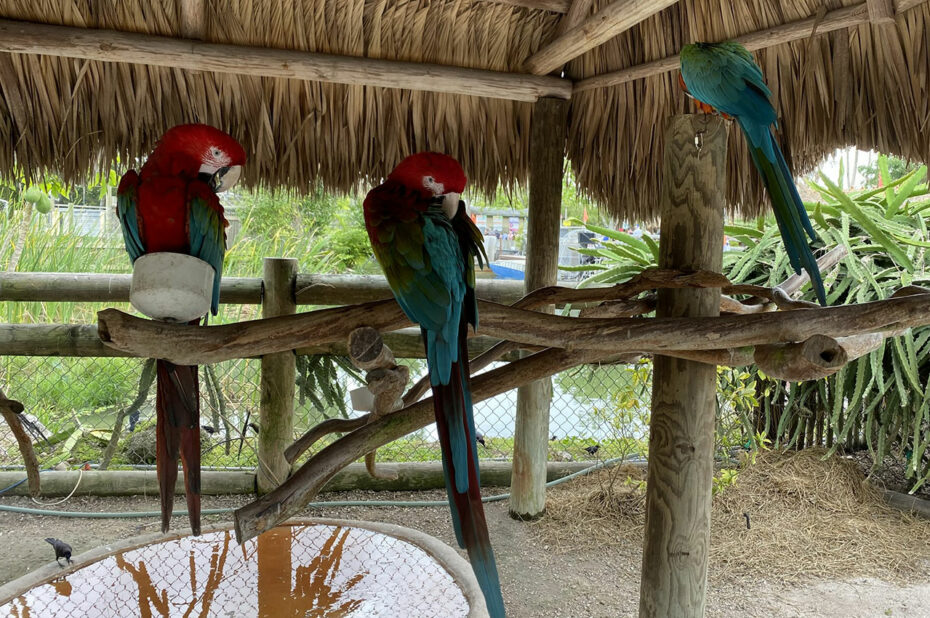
<point>288,572</point>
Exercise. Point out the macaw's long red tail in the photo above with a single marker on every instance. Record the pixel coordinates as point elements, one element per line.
<point>177,408</point>
<point>456,427</point>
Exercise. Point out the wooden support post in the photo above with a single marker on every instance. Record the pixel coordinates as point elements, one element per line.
<point>531,434</point>
<point>279,372</point>
<point>681,442</point>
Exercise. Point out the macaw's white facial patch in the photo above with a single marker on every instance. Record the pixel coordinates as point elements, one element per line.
<point>450,203</point>
<point>213,160</point>
<point>436,187</point>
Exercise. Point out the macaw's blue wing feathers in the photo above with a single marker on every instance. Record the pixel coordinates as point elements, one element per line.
<point>726,77</point>
<point>207,230</point>
<point>127,211</point>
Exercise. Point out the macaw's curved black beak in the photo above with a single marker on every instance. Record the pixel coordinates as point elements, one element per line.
<point>223,178</point>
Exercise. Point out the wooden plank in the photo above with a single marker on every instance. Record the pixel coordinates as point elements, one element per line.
<point>906,5</point>
<point>113,46</point>
<point>681,440</point>
<point>553,6</point>
<point>410,477</point>
<point>612,20</point>
<point>577,13</point>
<point>354,289</point>
<point>531,433</point>
<point>838,19</point>
<point>104,288</point>
<point>312,289</point>
<point>278,375</point>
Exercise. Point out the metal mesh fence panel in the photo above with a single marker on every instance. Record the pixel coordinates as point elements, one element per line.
<point>73,404</point>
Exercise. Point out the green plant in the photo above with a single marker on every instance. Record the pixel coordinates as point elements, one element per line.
<point>881,401</point>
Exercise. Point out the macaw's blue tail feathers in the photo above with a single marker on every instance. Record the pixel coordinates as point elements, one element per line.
<point>793,222</point>
<point>456,428</point>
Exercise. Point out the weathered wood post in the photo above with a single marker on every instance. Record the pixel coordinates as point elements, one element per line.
<point>278,376</point>
<point>531,434</point>
<point>681,441</point>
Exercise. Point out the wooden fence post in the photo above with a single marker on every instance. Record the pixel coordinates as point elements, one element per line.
<point>531,433</point>
<point>279,371</point>
<point>681,441</point>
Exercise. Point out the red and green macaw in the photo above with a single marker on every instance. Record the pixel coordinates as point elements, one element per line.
<point>724,77</point>
<point>171,206</point>
<point>427,245</point>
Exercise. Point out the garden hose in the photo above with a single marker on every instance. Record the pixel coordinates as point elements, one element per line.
<point>334,503</point>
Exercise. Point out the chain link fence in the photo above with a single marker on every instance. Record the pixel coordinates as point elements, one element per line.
<point>73,404</point>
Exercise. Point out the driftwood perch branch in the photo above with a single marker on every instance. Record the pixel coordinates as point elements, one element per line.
<point>289,498</point>
<point>11,409</point>
<point>209,344</point>
<point>385,380</point>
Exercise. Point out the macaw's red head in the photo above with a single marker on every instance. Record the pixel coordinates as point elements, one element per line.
<point>431,173</point>
<point>198,150</point>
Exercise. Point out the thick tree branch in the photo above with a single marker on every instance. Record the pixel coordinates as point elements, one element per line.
<point>191,345</point>
<point>291,496</point>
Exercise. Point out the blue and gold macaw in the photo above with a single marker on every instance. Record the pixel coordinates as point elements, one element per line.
<point>725,78</point>
<point>171,206</point>
<point>427,245</point>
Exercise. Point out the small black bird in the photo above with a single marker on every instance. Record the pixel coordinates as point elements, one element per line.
<point>62,550</point>
<point>133,420</point>
<point>480,439</point>
<point>592,450</point>
<point>209,429</point>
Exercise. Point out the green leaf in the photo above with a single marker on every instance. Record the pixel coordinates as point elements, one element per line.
<point>743,230</point>
<point>903,194</point>
<point>870,226</point>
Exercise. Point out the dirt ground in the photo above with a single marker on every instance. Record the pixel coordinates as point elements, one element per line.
<point>537,581</point>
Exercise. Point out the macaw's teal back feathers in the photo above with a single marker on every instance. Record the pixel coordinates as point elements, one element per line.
<point>207,233</point>
<point>725,76</point>
<point>428,260</point>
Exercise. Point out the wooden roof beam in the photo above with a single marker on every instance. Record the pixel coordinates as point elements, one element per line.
<point>113,46</point>
<point>838,19</point>
<point>553,6</point>
<point>612,20</point>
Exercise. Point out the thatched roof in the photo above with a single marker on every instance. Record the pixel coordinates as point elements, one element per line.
<point>865,85</point>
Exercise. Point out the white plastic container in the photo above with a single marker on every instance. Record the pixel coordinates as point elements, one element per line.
<point>171,287</point>
<point>363,399</point>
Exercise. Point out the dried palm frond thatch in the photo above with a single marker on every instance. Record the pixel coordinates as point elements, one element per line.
<point>866,85</point>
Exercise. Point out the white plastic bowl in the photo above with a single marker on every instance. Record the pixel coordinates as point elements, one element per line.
<point>363,399</point>
<point>171,287</point>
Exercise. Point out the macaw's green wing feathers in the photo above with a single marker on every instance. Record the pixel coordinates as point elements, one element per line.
<point>127,211</point>
<point>207,232</point>
<point>725,76</point>
<point>422,262</point>
<point>471,244</point>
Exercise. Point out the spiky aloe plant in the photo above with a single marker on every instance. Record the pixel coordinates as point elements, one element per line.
<point>880,401</point>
